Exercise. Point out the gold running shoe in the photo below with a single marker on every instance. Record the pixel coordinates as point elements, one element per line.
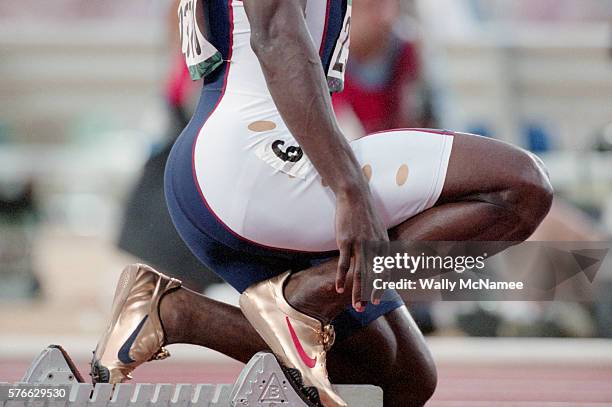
<point>135,334</point>
<point>299,341</point>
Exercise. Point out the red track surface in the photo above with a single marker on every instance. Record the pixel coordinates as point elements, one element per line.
<point>459,386</point>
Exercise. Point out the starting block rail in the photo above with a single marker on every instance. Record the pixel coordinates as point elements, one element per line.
<point>262,383</point>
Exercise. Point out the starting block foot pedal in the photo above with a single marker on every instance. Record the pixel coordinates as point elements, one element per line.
<point>262,383</point>
<point>53,367</point>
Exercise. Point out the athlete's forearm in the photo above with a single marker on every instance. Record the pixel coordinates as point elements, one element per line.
<point>297,83</point>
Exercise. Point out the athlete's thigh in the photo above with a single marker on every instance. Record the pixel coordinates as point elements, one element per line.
<point>406,170</point>
<point>389,352</point>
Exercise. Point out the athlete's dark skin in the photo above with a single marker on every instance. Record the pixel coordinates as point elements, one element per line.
<point>493,191</point>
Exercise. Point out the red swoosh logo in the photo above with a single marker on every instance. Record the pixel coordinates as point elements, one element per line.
<point>308,361</point>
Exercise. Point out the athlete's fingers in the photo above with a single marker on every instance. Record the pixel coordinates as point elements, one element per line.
<point>376,294</point>
<point>358,269</point>
<point>344,264</point>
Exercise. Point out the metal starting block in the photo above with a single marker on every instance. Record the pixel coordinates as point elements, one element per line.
<point>262,383</point>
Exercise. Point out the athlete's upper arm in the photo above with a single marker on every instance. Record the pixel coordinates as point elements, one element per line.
<point>272,20</point>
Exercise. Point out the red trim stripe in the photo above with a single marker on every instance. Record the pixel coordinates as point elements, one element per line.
<point>322,46</point>
<point>433,131</point>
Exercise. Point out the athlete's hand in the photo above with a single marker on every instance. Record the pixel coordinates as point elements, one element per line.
<point>356,224</point>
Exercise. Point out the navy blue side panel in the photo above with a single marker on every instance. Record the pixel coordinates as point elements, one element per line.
<point>218,26</point>
<point>337,11</point>
<point>179,175</point>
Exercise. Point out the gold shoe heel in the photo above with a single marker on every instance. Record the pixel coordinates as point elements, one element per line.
<point>135,334</point>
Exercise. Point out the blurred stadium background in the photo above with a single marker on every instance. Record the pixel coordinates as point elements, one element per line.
<point>91,98</point>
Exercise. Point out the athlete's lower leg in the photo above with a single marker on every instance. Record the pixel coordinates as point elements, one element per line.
<point>192,318</point>
<point>391,353</point>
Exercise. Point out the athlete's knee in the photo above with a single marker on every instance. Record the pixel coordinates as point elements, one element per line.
<point>535,193</point>
<point>528,194</point>
<point>427,384</point>
<point>414,388</point>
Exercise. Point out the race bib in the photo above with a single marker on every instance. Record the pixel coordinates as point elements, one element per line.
<point>337,67</point>
<point>201,57</point>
